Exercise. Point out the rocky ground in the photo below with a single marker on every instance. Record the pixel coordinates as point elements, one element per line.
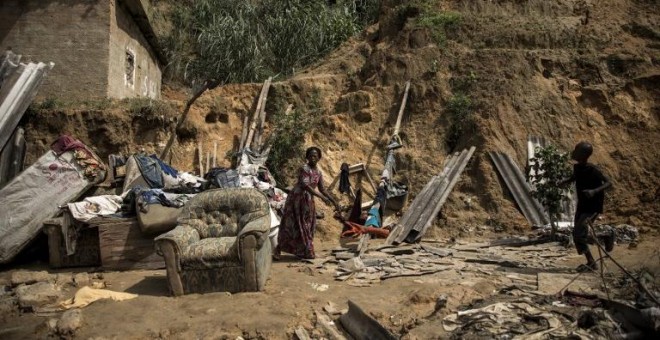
<point>307,294</point>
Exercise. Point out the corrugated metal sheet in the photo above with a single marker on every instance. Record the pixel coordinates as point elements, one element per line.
<point>19,87</point>
<point>12,157</point>
<point>520,189</point>
<point>569,204</point>
<point>426,206</point>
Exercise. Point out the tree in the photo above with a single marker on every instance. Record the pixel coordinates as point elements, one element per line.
<point>549,168</point>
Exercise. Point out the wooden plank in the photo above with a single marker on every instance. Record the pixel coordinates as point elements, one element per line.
<point>402,228</point>
<point>257,112</point>
<point>328,326</point>
<point>448,185</point>
<point>262,118</point>
<point>244,132</point>
<point>123,246</point>
<point>355,168</point>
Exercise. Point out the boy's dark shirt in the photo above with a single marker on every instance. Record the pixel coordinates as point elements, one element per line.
<point>588,177</point>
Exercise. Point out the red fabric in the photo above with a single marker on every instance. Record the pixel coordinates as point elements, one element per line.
<point>67,143</point>
<point>356,230</point>
<point>296,234</point>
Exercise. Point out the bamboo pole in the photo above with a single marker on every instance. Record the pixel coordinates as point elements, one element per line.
<point>215,154</point>
<point>200,156</point>
<point>397,127</point>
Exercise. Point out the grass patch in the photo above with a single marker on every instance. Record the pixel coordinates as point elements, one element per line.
<point>439,23</point>
<point>139,107</point>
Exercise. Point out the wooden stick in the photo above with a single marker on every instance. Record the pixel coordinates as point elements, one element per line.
<point>200,156</point>
<point>209,84</point>
<point>403,106</point>
<point>215,153</point>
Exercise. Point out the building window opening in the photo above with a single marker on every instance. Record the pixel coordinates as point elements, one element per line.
<point>130,68</point>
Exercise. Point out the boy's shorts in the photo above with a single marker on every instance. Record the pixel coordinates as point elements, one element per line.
<point>581,230</point>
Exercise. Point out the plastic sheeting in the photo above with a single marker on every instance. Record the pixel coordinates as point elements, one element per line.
<point>34,196</point>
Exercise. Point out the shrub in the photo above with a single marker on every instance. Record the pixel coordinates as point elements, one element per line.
<point>290,131</point>
<point>461,121</point>
<point>549,168</point>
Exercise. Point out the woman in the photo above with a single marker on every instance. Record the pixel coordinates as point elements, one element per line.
<point>296,234</point>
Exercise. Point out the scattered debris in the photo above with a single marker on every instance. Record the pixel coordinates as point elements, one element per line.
<point>440,303</point>
<point>302,334</point>
<point>328,326</point>
<point>361,326</point>
<point>319,287</point>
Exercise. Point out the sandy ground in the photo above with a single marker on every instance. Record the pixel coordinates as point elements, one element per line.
<point>404,305</point>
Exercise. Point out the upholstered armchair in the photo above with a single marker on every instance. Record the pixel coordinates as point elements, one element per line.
<point>220,243</point>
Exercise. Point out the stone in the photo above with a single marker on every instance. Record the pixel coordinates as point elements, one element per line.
<point>70,322</point>
<point>8,305</point>
<point>31,297</point>
<point>440,302</point>
<point>29,277</point>
<point>64,279</point>
<point>51,325</point>
<point>81,279</point>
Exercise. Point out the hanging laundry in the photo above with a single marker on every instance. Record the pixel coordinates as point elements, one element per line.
<point>344,183</point>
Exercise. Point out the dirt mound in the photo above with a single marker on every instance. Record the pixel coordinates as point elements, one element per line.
<point>484,74</point>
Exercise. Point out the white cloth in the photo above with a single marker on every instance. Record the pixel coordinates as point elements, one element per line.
<point>95,206</point>
<point>87,295</point>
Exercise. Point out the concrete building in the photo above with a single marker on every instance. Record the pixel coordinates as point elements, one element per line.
<point>101,48</point>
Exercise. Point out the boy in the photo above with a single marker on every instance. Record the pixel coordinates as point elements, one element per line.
<point>590,184</point>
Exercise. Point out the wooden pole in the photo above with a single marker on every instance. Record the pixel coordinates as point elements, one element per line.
<point>215,154</point>
<point>397,127</point>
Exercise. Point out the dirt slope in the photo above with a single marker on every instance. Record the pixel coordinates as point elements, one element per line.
<point>567,70</point>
